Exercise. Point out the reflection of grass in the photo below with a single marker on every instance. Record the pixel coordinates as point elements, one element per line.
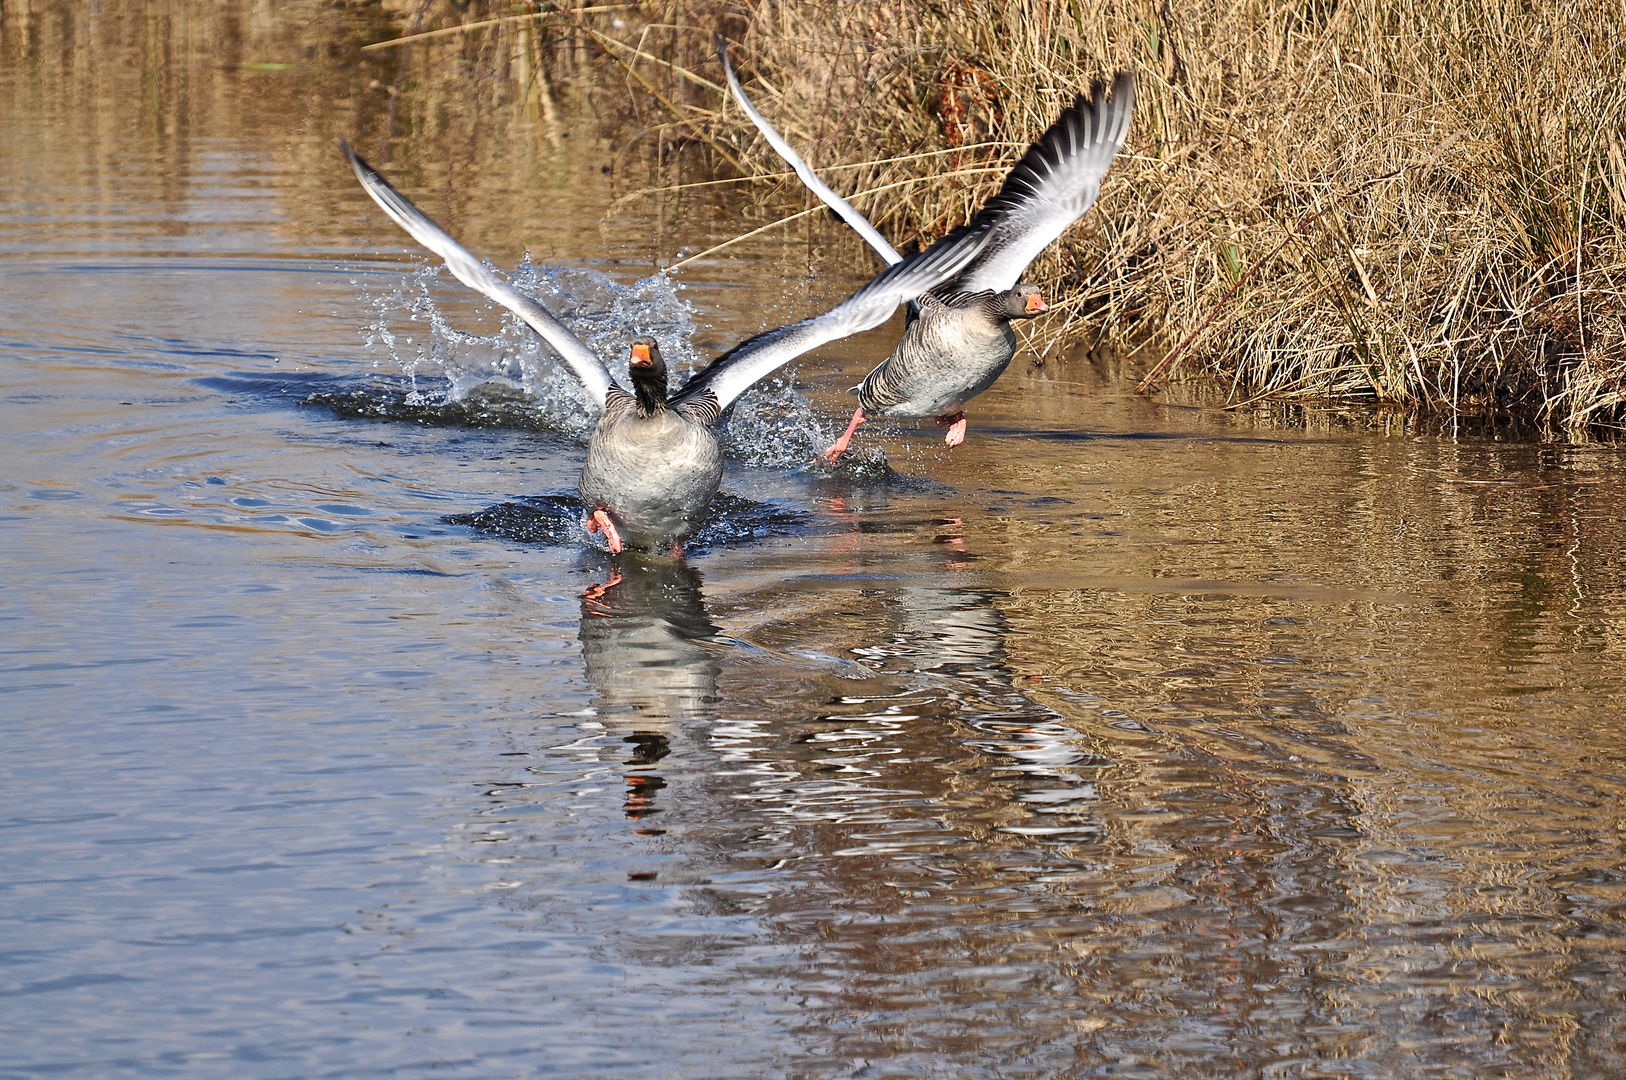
<point>1419,203</point>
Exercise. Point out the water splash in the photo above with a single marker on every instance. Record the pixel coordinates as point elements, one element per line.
<point>446,368</point>
<point>772,426</point>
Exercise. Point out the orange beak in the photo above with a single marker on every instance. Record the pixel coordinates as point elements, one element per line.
<point>1036,304</point>
<point>640,356</point>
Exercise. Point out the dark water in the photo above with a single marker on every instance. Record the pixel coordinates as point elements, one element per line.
<point>1133,739</point>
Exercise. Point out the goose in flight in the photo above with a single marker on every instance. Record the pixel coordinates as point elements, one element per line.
<point>653,460</point>
<point>959,340</point>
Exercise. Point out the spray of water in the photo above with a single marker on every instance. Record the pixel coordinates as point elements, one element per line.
<point>772,426</point>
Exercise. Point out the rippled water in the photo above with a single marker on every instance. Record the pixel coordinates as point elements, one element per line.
<point>1132,739</point>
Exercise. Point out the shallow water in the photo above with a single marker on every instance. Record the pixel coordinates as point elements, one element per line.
<point>1133,739</point>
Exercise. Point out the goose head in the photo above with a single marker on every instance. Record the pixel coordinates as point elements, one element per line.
<point>1025,302</point>
<point>648,372</point>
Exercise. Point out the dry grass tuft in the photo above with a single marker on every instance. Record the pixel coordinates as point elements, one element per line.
<point>1417,203</point>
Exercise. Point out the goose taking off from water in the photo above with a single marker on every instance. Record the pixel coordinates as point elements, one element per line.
<point>961,340</point>
<point>653,461</point>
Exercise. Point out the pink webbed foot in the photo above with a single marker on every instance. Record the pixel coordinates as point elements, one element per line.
<point>839,447</point>
<point>956,429</point>
<point>600,521</point>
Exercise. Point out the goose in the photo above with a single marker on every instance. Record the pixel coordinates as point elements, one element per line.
<point>959,339</point>
<point>653,460</point>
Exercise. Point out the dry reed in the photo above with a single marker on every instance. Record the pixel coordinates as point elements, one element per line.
<point>1417,203</point>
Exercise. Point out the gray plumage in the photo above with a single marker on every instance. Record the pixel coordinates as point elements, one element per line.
<point>652,466</point>
<point>954,351</point>
<point>653,471</point>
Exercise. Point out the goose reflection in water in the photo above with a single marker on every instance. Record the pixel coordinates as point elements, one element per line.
<point>957,638</point>
<point>645,639</point>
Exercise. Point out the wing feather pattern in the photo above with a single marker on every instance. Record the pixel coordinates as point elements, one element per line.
<point>733,373</point>
<point>1053,185</point>
<point>479,277</point>
<point>860,224</point>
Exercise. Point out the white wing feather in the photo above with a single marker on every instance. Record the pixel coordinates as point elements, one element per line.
<point>849,214</point>
<point>477,276</point>
<point>1054,185</point>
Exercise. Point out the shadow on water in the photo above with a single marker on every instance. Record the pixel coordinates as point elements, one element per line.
<point>929,680</point>
<point>431,401</point>
<point>557,519</point>
<point>647,640</point>
<point>933,823</point>
<point>860,809</point>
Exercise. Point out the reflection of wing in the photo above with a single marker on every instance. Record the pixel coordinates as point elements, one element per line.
<point>835,202</point>
<point>477,276</point>
<point>1056,181</point>
<point>644,642</point>
<point>960,634</point>
<point>956,631</point>
<point>733,373</point>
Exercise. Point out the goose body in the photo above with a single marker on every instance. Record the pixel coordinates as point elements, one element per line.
<point>653,460</point>
<point>961,340</point>
<point>952,352</point>
<point>653,473</point>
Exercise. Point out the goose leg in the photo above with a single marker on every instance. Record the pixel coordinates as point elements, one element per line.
<point>601,520</point>
<point>956,429</point>
<point>839,447</point>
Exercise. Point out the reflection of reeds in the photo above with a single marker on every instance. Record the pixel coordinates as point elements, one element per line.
<point>1419,203</point>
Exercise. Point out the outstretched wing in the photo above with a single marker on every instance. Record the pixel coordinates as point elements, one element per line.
<point>731,374</point>
<point>859,223</point>
<point>476,275</point>
<point>1053,185</point>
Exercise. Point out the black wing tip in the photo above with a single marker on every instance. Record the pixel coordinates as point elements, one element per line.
<point>1093,127</point>
<point>350,154</point>
<point>1119,93</point>
<point>1096,109</point>
<point>364,171</point>
<point>728,65</point>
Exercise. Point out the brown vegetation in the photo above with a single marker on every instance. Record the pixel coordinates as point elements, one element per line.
<point>1418,203</point>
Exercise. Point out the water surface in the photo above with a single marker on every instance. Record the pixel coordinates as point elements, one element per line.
<point>1132,739</point>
